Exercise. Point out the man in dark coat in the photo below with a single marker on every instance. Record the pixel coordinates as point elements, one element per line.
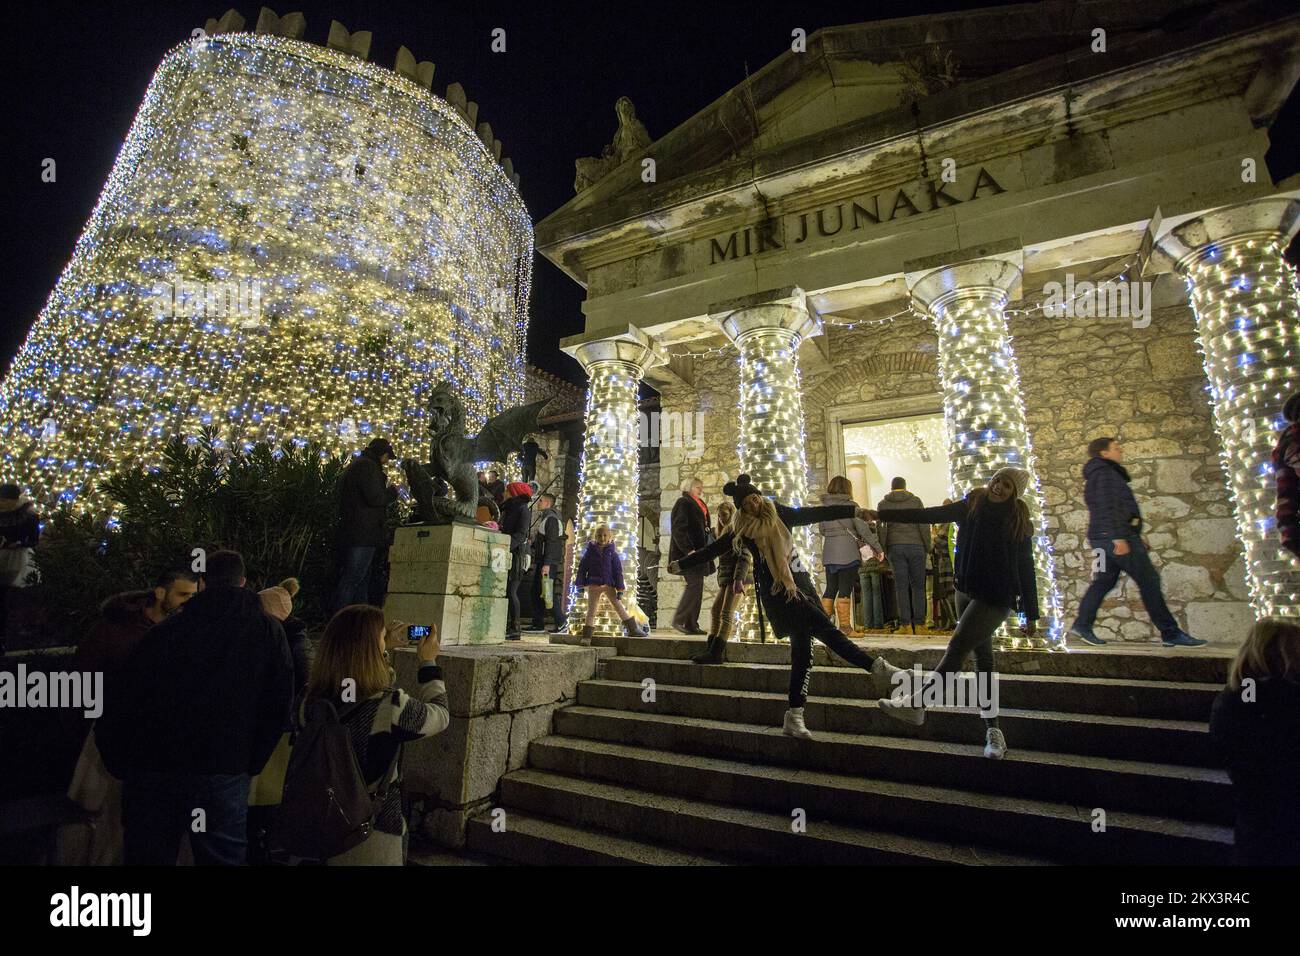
<point>364,495</point>
<point>689,525</point>
<point>528,457</point>
<point>194,712</point>
<point>1115,526</point>
<point>548,557</point>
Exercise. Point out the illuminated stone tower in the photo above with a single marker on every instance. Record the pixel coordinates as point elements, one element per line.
<point>293,245</point>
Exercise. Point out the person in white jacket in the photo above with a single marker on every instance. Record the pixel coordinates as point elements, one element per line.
<point>842,543</point>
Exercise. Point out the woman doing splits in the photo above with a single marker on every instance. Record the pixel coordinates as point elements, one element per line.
<point>994,574</point>
<point>762,527</point>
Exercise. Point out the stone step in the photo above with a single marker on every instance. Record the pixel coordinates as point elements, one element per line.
<point>741,832</point>
<point>1188,793</point>
<point>1206,665</point>
<point>1168,700</point>
<point>538,841</point>
<point>1063,831</point>
<point>1123,738</point>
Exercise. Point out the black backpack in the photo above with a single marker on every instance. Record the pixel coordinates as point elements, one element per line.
<point>327,808</point>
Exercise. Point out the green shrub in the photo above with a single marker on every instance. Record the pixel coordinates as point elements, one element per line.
<point>276,507</point>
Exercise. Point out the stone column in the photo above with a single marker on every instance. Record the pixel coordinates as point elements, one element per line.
<point>767,329</point>
<point>609,476</point>
<point>1247,307</point>
<point>982,401</point>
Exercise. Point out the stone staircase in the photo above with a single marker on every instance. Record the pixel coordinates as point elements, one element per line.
<point>703,775</point>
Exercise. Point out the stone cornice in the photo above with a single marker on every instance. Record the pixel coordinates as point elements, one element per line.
<point>1028,106</point>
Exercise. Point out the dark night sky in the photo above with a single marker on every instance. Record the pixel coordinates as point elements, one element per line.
<point>77,72</point>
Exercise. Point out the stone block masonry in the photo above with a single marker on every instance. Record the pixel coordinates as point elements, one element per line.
<point>501,699</point>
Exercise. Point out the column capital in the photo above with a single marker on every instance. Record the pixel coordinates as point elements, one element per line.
<point>785,309</point>
<point>1180,242</point>
<point>630,347</point>
<point>993,269</point>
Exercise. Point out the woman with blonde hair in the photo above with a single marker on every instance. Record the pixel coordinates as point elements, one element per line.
<point>733,567</point>
<point>352,673</point>
<point>1255,724</point>
<point>600,572</point>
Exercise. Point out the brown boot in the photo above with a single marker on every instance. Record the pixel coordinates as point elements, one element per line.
<point>828,605</point>
<point>844,612</point>
<point>587,631</point>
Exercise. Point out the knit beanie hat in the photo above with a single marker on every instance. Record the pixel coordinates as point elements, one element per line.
<point>277,602</point>
<point>740,489</point>
<point>1017,476</point>
<point>519,489</point>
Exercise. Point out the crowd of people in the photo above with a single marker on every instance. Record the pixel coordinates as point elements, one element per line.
<point>221,723</point>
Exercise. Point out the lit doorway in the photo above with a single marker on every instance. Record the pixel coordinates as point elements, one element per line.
<point>914,447</point>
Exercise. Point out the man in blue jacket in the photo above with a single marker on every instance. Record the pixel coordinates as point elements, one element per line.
<point>1115,526</point>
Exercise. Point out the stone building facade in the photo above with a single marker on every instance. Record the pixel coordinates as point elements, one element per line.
<point>844,240</point>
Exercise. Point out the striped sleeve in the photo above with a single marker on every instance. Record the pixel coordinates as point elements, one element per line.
<point>426,715</point>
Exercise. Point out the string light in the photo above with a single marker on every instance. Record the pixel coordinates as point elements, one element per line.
<point>608,482</point>
<point>772,440</point>
<point>1247,307</point>
<point>985,415</point>
<point>389,249</point>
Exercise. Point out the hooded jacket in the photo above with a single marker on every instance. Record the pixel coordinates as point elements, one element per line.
<point>207,691</point>
<point>548,541</point>
<point>600,564</point>
<point>840,537</point>
<point>122,625</point>
<point>1112,509</point>
<point>894,533</point>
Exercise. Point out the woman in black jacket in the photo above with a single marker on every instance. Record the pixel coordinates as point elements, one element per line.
<point>994,574</point>
<point>515,519</point>
<point>762,528</point>
<point>1255,725</point>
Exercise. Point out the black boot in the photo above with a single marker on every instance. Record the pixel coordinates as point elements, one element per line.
<point>712,653</point>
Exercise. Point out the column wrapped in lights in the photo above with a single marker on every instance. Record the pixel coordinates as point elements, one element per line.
<point>380,247</point>
<point>772,447</point>
<point>1247,307</point>
<point>609,474</point>
<point>982,402</point>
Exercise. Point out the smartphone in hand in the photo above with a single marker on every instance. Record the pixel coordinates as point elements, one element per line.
<point>415,633</point>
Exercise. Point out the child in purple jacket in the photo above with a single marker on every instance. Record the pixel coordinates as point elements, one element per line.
<point>601,572</point>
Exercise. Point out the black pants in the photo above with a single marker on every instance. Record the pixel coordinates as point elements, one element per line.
<point>840,583</point>
<point>539,605</point>
<point>977,622</point>
<point>811,622</point>
<point>512,592</point>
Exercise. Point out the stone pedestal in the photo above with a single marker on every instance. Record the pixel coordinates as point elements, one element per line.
<point>452,576</point>
<point>501,699</point>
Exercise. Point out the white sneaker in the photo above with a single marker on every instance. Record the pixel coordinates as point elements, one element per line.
<point>793,725</point>
<point>882,673</point>
<point>902,708</point>
<point>995,746</point>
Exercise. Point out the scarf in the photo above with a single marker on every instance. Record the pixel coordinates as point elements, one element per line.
<point>703,507</point>
<point>772,538</point>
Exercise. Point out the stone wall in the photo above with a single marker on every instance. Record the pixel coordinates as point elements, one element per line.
<point>1080,378</point>
<point>1083,378</point>
<point>501,699</point>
